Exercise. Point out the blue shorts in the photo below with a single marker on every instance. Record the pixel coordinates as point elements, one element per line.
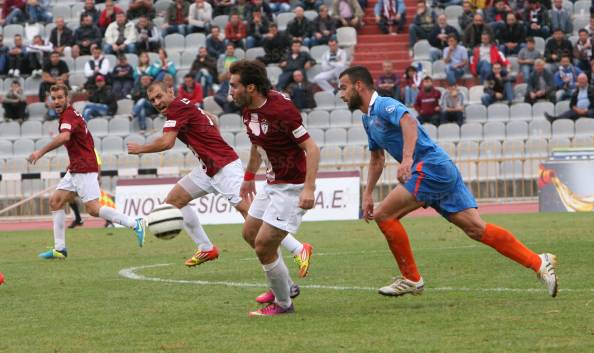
<point>440,186</point>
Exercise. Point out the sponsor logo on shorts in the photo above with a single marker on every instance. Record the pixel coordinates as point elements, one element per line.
<point>300,131</point>
<point>169,123</point>
<point>65,126</point>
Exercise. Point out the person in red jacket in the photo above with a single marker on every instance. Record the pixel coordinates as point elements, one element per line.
<point>191,90</point>
<point>484,56</point>
<point>108,14</point>
<point>427,103</point>
<point>236,31</point>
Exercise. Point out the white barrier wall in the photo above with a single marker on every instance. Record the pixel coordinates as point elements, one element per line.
<point>337,198</point>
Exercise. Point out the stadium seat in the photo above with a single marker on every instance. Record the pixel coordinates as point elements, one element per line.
<point>220,21</point>
<point>49,128</point>
<point>346,37</point>
<point>173,159</point>
<point>335,136</point>
<point>513,149</point>
<point>112,145</point>
<point>339,103</point>
<point>136,138</point>
<point>313,71</point>
<point>317,52</point>
<point>16,165</point>
<point>474,95</point>
<point>98,127</point>
<point>42,165</point>
<point>498,112</point>
<point>448,132</point>
<point>282,19</point>
<point>6,84</point>
<point>559,142</point>
<point>357,117</point>
<point>310,14</point>
<point>158,124</point>
<point>318,119</point>
<point>584,127</point>
<point>537,148</point>
<point>119,126</point>
<point>521,111</point>
<point>539,128</point>
<point>238,52</point>
<point>79,63</point>
<point>561,107</point>
<point>9,31</point>
<point>126,161</point>
<point>519,92</point>
<point>512,170</point>
<point>242,141</point>
<point>132,59</point>
<point>23,147</point>
<point>324,100</point>
<point>431,130</point>
<point>77,80</point>
<point>471,132</point>
<point>273,73</point>
<point>583,141</point>
<point>253,53</point>
<point>467,150</point>
<point>211,106</point>
<point>179,146</point>
<point>150,161</point>
<point>31,129</point>
<point>539,44</point>
<point>32,86</point>
<point>5,148</point>
<point>422,50</point>
<point>340,118</point>
<point>111,59</point>
<point>317,135</point>
<point>490,150</point>
<point>175,56</point>
<point>135,125</point>
<point>230,122</point>
<point>194,41</point>
<point>187,59</point>
<point>581,8</point>
<point>162,5</point>
<point>10,130</point>
<point>561,128</point>
<point>229,137</point>
<point>452,12</point>
<point>354,155</point>
<point>516,130</point>
<point>448,147</point>
<point>539,108</point>
<point>331,155</point>
<point>438,70</point>
<point>125,106</point>
<point>357,136</point>
<point>427,67</point>
<point>37,111</point>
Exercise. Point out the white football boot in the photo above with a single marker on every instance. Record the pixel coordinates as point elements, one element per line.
<point>402,286</point>
<point>546,274</point>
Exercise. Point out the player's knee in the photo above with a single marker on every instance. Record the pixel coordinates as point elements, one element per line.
<point>174,201</point>
<point>475,231</point>
<point>55,204</point>
<point>93,209</point>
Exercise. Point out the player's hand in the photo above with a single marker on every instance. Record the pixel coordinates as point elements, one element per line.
<point>248,190</point>
<point>306,199</point>
<point>404,170</point>
<point>34,157</point>
<point>133,148</point>
<point>367,207</point>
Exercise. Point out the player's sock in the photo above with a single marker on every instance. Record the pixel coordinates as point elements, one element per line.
<point>112,215</point>
<point>400,246</point>
<point>59,217</point>
<point>194,229</point>
<point>292,244</point>
<point>508,245</point>
<point>277,274</point>
<point>76,211</point>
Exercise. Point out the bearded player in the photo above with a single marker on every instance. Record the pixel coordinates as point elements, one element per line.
<point>81,176</point>
<point>219,172</point>
<point>278,137</point>
<point>428,178</point>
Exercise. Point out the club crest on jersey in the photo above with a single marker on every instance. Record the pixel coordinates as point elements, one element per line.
<point>390,108</point>
<point>264,126</point>
<point>254,125</point>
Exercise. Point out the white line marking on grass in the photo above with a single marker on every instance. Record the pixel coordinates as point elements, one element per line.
<point>131,273</point>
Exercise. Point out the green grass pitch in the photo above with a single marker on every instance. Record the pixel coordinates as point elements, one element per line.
<point>84,305</point>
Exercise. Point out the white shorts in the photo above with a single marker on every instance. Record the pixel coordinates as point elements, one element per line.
<point>226,182</point>
<point>85,185</point>
<point>278,205</point>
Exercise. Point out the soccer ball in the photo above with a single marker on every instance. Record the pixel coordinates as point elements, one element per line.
<point>165,221</point>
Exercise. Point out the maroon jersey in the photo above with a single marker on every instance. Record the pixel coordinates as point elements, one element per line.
<point>276,128</point>
<point>200,134</point>
<point>80,147</point>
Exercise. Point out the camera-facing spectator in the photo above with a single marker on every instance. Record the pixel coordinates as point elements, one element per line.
<point>225,60</point>
<point>473,33</point>
<point>301,91</point>
<point>191,90</point>
<point>122,78</point>
<point>452,106</point>
<point>236,31</point>
<point>257,29</point>
<point>427,103</point>
<point>54,71</point>
<point>14,102</point>
<point>467,16</point>
<point>438,38</point>
<point>485,56</point>
<point>62,37</point>
<point>199,16</point>
<point>411,81</point>
<point>388,83</point>
<point>85,36</point>
<point>348,13</point>
<point>334,61</point>
<point>495,16</point>
<point>176,18</point>
<point>540,84</point>
<point>300,28</point>
<point>275,45</point>
<point>149,37</point>
<point>204,70</point>
<point>560,17</point>
<point>565,78</point>
<point>323,26</point>
<point>536,20</point>
<point>456,59</point>
<point>120,36</point>
<point>555,48</point>
<point>142,107</point>
<point>108,15</point>
<point>422,24</point>
<point>17,55</point>
<point>581,104</point>
<point>526,58</point>
<point>215,43</point>
<point>582,51</point>
<point>162,67</point>
<point>90,9</point>
<point>512,36</point>
<point>141,8</point>
<point>102,101</point>
<point>295,60</point>
<point>498,87</point>
<point>98,65</point>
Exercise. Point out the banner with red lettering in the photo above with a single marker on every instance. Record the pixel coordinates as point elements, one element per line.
<point>337,198</point>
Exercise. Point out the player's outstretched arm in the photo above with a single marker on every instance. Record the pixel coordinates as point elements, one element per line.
<point>163,143</point>
<point>57,141</point>
<point>248,187</point>
<point>377,161</point>
<point>408,125</point>
<point>312,152</point>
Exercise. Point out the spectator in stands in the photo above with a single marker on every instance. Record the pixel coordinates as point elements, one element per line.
<point>467,16</point>
<point>54,71</point>
<point>388,83</point>
<point>222,7</point>
<point>540,84</point>
<point>311,5</point>
<point>235,31</point>
<point>169,81</point>
<point>495,15</point>
<point>17,56</point>
<point>412,79</point>
<point>422,24</point>
<point>199,16</point>
<point>120,36</point>
<point>91,10</point>
<point>295,60</point>
<point>14,102</point>
<point>485,56</point>
<point>452,106</point>
<point>223,98</point>
<point>275,45</point>
<point>3,56</point>
<point>13,11</point>
<point>240,8</point>
<point>582,51</point>
<point>427,103</point>
<point>149,38</point>
<point>256,30</point>
<point>215,45</point>
<point>37,11</point>
<point>323,26</point>
<point>85,36</point>
<point>38,53</point>
<point>498,87</point>
<point>590,26</point>
<point>191,90</point>
<point>526,58</point>
<point>162,66</point>
<point>348,13</point>
<point>512,36</point>
<point>278,6</point>
<point>581,104</point>
<point>122,78</point>
<point>334,61</point>
<point>102,102</point>
<point>98,65</point>
<point>560,17</point>
<point>225,60</point>
<point>300,28</point>
<point>456,58</point>
<point>301,91</point>
<point>176,18</point>
<point>108,15</point>
<point>142,107</point>
<point>261,6</point>
<point>204,70</point>
<point>141,8</point>
<point>444,3</point>
<point>62,38</point>
<point>472,33</point>
<point>566,78</point>
<point>536,20</point>
<point>143,67</point>
<point>556,48</point>
<point>438,38</point>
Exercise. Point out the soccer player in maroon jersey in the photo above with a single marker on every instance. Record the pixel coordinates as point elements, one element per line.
<point>81,176</point>
<point>278,137</point>
<point>220,170</point>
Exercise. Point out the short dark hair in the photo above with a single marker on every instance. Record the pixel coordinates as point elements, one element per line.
<point>452,35</point>
<point>188,75</point>
<point>252,72</point>
<point>582,30</point>
<point>427,78</point>
<point>359,73</point>
<point>530,39</point>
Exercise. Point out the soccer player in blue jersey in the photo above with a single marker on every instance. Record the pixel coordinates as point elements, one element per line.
<point>427,178</point>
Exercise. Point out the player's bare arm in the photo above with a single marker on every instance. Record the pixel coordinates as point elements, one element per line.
<point>408,125</point>
<point>312,152</point>
<point>57,141</point>
<point>163,143</point>
<point>248,187</point>
<point>377,161</point>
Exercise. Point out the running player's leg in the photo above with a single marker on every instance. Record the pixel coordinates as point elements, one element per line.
<point>57,202</point>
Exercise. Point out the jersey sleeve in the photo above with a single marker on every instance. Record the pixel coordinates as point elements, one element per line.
<point>177,116</point>
<point>297,131</point>
<point>67,123</point>
<point>392,111</point>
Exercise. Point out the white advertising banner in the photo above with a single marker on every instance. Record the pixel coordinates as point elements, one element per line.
<point>337,198</point>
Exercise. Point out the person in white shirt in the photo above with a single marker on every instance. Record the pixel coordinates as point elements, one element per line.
<point>199,16</point>
<point>97,65</point>
<point>120,36</point>
<point>334,61</point>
